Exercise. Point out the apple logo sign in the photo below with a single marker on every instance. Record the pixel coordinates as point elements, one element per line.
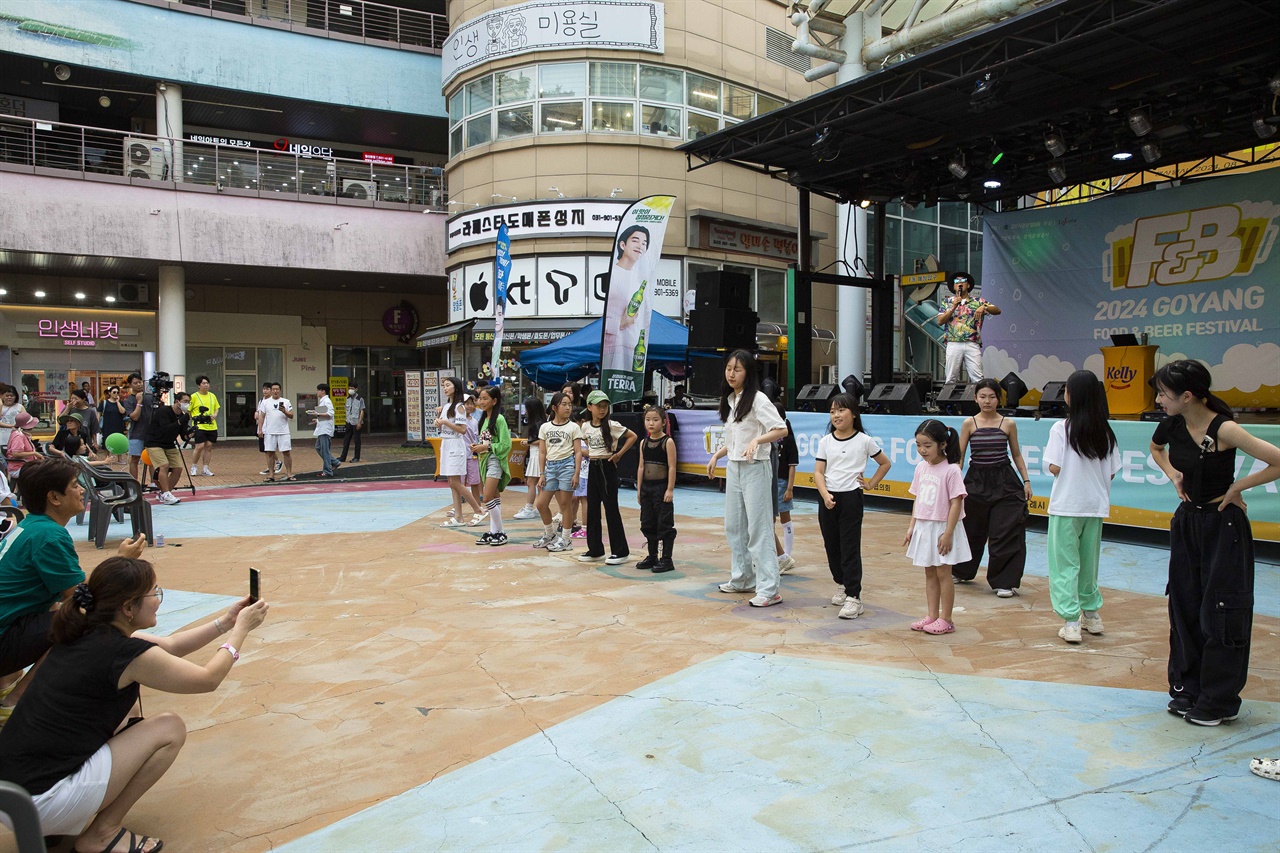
<point>479,295</point>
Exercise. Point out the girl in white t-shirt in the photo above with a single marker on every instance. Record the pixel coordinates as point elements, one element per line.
<point>1082,457</point>
<point>838,472</point>
<point>936,540</point>
<point>453,424</point>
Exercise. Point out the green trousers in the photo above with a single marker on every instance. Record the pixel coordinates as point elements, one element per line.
<point>1074,546</point>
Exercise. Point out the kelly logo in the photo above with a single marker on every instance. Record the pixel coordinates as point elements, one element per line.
<point>1119,378</point>
<point>1207,244</point>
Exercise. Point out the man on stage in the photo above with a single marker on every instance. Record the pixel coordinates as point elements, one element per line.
<point>963,324</point>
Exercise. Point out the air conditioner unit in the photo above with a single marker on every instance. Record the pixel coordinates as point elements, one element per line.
<point>358,189</point>
<point>829,374</point>
<point>146,158</point>
<point>128,291</point>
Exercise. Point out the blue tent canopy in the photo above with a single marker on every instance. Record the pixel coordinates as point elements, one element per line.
<point>574,356</point>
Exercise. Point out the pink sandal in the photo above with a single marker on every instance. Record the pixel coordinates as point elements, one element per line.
<point>919,624</point>
<point>939,626</point>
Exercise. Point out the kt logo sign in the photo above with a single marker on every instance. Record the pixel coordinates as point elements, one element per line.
<point>1208,244</point>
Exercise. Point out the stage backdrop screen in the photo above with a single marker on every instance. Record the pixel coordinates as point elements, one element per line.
<point>1193,267</point>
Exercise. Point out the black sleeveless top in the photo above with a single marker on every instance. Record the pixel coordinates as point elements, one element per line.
<point>654,453</point>
<point>988,446</point>
<point>1207,472</point>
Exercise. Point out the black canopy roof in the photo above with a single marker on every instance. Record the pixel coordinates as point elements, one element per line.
<point>1198,70</point>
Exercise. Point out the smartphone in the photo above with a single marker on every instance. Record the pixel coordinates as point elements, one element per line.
<point>253,585</point>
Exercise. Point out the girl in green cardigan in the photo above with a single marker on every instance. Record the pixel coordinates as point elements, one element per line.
<point>493,448</point>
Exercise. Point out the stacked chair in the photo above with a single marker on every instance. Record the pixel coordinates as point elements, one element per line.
<point>112,494</point>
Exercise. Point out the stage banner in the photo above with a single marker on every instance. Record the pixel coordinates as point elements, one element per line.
<point>1192,267</point>
<point>1140,494</point>
<point>629,303</point>
<point>501,275</point>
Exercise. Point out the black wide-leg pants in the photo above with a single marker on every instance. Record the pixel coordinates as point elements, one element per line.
<point>602,487</point>
<point>995,519</point>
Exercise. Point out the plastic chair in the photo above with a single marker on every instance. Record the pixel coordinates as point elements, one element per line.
<point>16,803</point>
<point>111,491</point>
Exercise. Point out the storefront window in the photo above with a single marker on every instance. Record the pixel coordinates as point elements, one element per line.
<point>557,118</point>
<point>919,240</point>
<point>457,111</point>
<point>566,80</point>
<point>242,360</point>
<point>270,364</point>
<point>953,250</point>
<point>615,118</point>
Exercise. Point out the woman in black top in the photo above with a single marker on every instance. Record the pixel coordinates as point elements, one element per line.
<point>113,415</point>
<point>1211,546</point>
<point>65,742</point>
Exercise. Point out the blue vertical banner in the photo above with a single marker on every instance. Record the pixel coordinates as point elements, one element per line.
<point>501,273</point>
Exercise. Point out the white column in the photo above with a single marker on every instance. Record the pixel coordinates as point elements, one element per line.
<point>169,124</point>
<point>171,321</point>
<point>851,302</point>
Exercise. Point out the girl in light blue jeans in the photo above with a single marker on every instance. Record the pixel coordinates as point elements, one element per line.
<point>751,425</point>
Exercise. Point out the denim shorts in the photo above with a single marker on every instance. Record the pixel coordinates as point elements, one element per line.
<point>557,476</point>
<point>784,505</point>
<point>135,447</point>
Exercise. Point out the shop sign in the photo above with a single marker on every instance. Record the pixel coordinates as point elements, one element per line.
<point>541,25</point>
<point>751,241</point>
<point>219,140</point>
<point>78,333</point>
<point>374,157</point>
<point>541,336</point>
<point>438,340</point>
<point>302,150</point>
<point>17,105</point>
<point>598,218</point>
<point>402,321</point>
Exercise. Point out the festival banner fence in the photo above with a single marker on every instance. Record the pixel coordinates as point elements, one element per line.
<point>1191,267</point>
<point>1140,494</point>
<point>637,250</point>
<point>501,275</point>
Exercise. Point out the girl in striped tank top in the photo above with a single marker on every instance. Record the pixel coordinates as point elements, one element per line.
<point>995,509</point>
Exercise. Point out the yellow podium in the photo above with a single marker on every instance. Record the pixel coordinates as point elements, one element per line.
<point>1126,376</point>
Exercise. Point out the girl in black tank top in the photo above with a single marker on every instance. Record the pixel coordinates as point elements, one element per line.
<point>1210,545</point>
<point>656,479</point>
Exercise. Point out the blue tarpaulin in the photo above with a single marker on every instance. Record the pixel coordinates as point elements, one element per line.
<point>574,356</point>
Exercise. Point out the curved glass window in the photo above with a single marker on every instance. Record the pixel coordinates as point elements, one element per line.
<point>515,85</point>
<point>480,95</point>
<point>566,80</point>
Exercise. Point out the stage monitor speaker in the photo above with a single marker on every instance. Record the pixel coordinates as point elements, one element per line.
<point>1052,400</point>
<point>895,398</point>
<point>816,398</point>
<point>720,289</point>
<point>722,328</point>
<point>705,376</point>
<point>956,398</point>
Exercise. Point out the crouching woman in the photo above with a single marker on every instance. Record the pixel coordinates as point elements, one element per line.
<point>77,741</point>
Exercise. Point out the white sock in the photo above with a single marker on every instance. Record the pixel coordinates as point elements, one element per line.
<point>549,529</point>
<point>495,515</point>
<point>788,537</point>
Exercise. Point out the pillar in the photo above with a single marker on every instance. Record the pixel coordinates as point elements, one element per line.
<point>171,322</point>
<point>851,302</point>
<point>169,125</point>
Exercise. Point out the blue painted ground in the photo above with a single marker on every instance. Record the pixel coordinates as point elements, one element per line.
<point>760,752</point>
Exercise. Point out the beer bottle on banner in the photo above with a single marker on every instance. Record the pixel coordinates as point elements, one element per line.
<point>633,307</point>
<point>637,363</point>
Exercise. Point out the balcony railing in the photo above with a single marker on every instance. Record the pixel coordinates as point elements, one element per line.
<point>92,153</point>
<point>354,20</point>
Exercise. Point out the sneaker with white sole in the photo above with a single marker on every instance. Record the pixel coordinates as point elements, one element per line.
<point>194,470</point>
<point>1070,632</point>
<point>852,608</point>
<point>1207,718</point>
<point>730,588</point>
<point>1006,593</point>
<point>560,543</point>
<point>279,467</point>
<point>169,498</point>
<point>762,601</point>
<point>616,560</point>
<point>206,471</point>
<point>557,518</point>
<point>591,558</point>
<point>497,539</point>
<point>839,598</point>
<point>265,472</point>
<point>486,539</point>
<point>786,563</point>
<point>527,511</point>
<point>1091,623</point>
<point>544,540</point>
<point>578,532</point>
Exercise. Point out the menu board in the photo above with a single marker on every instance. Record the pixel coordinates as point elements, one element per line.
<point>413,405</point>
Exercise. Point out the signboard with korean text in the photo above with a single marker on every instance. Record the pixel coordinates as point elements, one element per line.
<point>80,329</point>
<point>751,241</point>
<point>413,405</point>
<point>555,25</point>
<point>559,218</point>
<point>338,396</point>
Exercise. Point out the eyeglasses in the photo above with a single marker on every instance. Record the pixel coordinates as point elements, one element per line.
<point>158,593</point>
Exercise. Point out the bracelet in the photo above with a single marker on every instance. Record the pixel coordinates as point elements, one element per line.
<point>217,625</point>
<point>235,655</point>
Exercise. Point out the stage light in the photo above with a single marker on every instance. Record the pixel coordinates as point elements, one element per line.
<point>1150,151</point>
<point>1014,390</point>
<point>853,387</point>
<point>1055,144</point>
<point>1057,172</point>
<point>1139,121</point>
<point>1261,127</point>
<point>992,183</point>
<point>39,294</point>
<point>864,204</point>
<point>1122,156</point>
<point>985,93</point>
<point>957,165</point>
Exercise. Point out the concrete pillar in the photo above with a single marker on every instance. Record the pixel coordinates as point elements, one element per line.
<point>851,302</point>
<point>171,321</point>
<point>169,125</point>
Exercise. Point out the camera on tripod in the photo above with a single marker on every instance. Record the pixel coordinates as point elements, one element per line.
<point>160,382</point>
<point>202,416</point>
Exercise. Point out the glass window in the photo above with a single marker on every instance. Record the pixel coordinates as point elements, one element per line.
<point>702,93</point>
<point>558,118</point>
<point>975,253</point>
<point>613,79</point>
<point>566,80</point>
<point>516,121</point>
<point>613,118</point>
<point>479,95</point>
<point>660,121</point>
<point>700,125</point>
<point>922,213</point>
<point>242,359</point>
<point>765,104</point>
<point>771,295</point>
<point>919,240</point>
<point>739,103</point>
<point>456,112</point>
<point>455,141</point>
<point>953,250</point>
<point>661,84</point>
<point>270,364</point>
<point>479,130</point>
<point>514,85</point>
<point>954,213</point>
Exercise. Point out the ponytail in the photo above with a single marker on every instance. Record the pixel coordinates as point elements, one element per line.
<point>944,436</point>
<point>1179,377</point>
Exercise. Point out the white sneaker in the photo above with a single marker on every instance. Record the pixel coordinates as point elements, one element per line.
<point>762,601</point>
<point>527,511</point>
<point>1005,593</point>
<point>590,558</point>
<point>852,608</point>
<point>615,560</point>
<point>207,472</point>
<point>560,543</point>
<point>169,498</point>
<point>1070,632</point>
<point>1092,624</point>
<point>279,466</point>
<point>544,540</point>
<point>839,598</point>
<point>194,471</point>
<point>786,563</point>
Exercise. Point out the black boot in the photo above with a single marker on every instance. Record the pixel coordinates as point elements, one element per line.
<point>665,564</point>
<point>650,561</point>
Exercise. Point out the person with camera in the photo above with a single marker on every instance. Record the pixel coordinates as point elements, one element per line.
<point>323,413</point>
<point>168,424</point>
<point>79,742</point>
<point>113,416</point>
<point>276,414</point>
<point>137,409</point>
<point>70,440</point>
<point>355,422</point>
<point>204,415</point>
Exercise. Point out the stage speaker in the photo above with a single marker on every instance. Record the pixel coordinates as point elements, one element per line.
<point>722,328</point>
<point>895,398</point>
<point>719,289</point>
<point>705,376</point>
<point>1052,400</point>
<point>956,398</point>
<point>816,398</point>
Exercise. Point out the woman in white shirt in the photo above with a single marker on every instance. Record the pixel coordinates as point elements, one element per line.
<point>9,410</point>
<point>751,425</point>
<point>454,451</point>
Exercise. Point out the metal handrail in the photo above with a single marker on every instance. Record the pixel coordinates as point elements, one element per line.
<point>343,18</point>
<point>146,160</point>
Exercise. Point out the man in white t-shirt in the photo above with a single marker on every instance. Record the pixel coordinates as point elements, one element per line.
<point>323,413</point>
<point>260,415</point>
<point>276,414</point>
